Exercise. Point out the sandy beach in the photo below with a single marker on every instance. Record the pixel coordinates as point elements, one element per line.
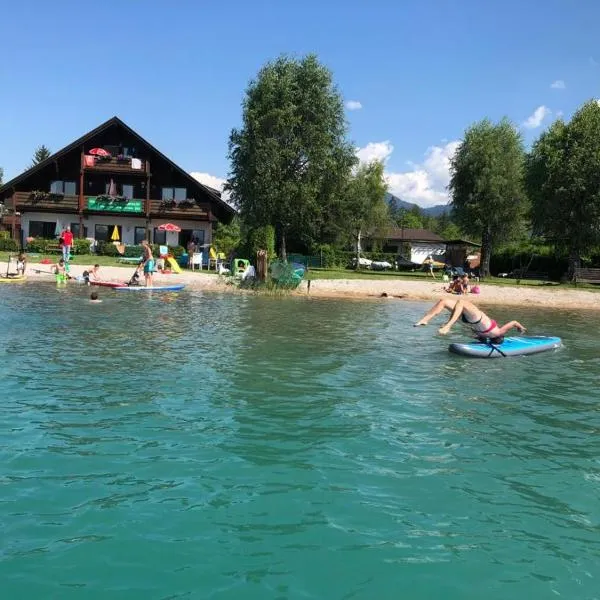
<point>396,289</point>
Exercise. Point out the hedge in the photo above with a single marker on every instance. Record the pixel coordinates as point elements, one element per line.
<point>9,245</point>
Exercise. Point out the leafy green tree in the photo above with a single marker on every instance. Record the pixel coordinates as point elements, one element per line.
<point>563,180</point>
<point>364,208</point>
<point>1,174</point>
<point>445,227</point>
<point>227,238</point>
<point>487,185</point>
<point>290,159</point>
<point>409,218</point>
<point>41,153</point>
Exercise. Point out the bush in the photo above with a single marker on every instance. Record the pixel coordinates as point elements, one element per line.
<point>133,251</point>
<point>9,245</point>
<point>176,251</point>
<point>81,246</point>
<point>38,245</point>
<point>541,261</point>
<point>327,256</point>
<point>4,234</point>
<point>107,249</point>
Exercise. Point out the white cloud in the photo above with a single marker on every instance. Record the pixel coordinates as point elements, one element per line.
<point>425,184</point>
<point>375,151</point>
<point>212,181</point>
<point>538,116</point>
<point>559,84</point>
<point>353,105</point>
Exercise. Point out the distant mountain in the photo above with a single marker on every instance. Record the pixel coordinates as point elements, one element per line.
<point>432,211</point>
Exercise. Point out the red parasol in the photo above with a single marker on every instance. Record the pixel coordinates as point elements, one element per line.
<point>99,152</point>
<point>169,227</point>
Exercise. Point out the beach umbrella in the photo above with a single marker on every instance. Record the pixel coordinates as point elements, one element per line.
<point>112,188</point>
<point>99,152</point>
<point>115,234</point>
<point>169,227</point>
<point>58,228</point>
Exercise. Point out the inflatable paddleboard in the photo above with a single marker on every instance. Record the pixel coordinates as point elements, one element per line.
<point>111,284</point>
<point>143,288</point>
<point>511,346</point>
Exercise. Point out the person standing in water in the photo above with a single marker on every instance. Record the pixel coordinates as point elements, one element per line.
<point>483,326</point>
<point>148,262</point>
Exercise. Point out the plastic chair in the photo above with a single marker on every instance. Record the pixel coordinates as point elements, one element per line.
<point>215,258</point>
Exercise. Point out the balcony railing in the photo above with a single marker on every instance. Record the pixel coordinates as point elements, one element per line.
<point>47,202</point>
<point>43,201</point>
<point>181,210</point>
<point>114,165</point>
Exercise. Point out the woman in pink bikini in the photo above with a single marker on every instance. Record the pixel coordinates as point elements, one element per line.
<point>480,323</point>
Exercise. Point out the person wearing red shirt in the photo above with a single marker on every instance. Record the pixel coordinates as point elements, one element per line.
<point>67,243</point>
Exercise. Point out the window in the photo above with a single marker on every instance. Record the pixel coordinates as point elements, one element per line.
<point>178,194</point>
<point>188,234</point>
<point>75,230</point>
<point>160,237</point>
<point>42,229</point>
<point>68,188</point>
<point>199,236</point>
<point>101,233</point>
<point>126,190</point>
<point>139,235</point>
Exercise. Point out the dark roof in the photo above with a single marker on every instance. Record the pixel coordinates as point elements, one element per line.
<point>213,194</point>
<point>413,235</point>
<point>463,243</point>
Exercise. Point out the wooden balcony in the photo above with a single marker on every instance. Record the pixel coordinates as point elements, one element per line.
<point>45,202</point>
<point>114,165</point>
<point>184,210</point>
<point>55,203</point>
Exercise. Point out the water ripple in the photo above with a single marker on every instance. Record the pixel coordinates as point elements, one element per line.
<point>217,446</point>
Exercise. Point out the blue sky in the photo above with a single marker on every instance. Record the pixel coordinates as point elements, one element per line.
<point>176,72</point>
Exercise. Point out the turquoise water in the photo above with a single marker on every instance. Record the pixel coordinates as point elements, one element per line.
<point>221,446</point>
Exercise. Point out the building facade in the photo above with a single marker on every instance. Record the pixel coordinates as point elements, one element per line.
<point>111,178</point>
<point>415,245</point>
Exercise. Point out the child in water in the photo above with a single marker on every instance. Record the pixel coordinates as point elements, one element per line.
<point>94,298</point>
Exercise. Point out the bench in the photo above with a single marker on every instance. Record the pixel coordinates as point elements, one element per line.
<point>587,274</point>
<point>526,274</point>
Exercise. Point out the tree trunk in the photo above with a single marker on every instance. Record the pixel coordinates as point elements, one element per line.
<point>486,252</point>
<point>282,250</point>
<point>358,239</point>
<point>574,262</point>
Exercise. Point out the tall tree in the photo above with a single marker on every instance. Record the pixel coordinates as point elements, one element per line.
<point>563,180</point>
<point>364,208</point>
<point>290,158</point>
<point>41,153</point>
<point>408,219</point>
<point>1,174</point>
<point>487,185</point>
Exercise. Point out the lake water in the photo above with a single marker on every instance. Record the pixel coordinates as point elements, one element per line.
<point>239,447</point>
